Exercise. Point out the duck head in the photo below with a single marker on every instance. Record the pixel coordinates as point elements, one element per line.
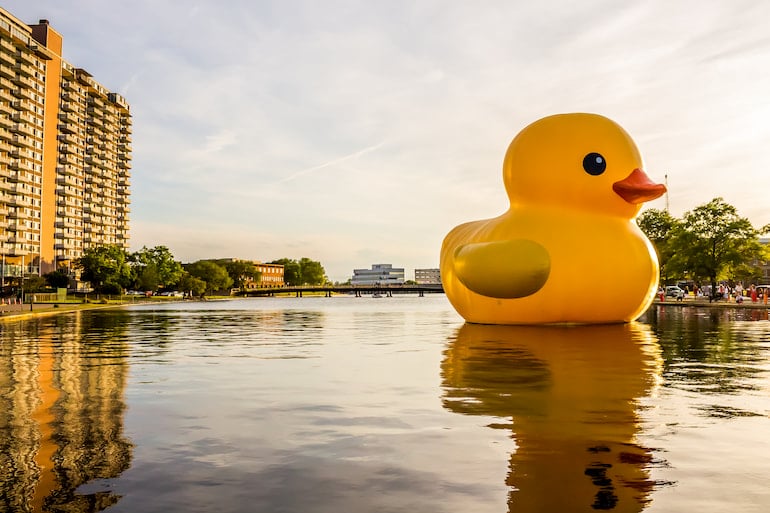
<point>578,161</point>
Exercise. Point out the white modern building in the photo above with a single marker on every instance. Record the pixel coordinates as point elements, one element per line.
<point>379,274</point>
<point>427,276</point>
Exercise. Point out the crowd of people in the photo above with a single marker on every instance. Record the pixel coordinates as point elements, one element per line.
<point>723,291</point>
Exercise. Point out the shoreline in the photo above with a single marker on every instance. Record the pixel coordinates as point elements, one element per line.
<point>49,309</point>
<point>704,303</point>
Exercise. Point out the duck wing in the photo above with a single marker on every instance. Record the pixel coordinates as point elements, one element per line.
<point>503,269</point>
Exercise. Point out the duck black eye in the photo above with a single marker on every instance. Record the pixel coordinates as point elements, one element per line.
<point>594,164</point>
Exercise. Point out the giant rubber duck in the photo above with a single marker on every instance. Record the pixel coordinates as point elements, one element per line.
<point>568,249</point>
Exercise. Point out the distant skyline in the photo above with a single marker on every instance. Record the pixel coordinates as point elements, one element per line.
<point>356,133</point>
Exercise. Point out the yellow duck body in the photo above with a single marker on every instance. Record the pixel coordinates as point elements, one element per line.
<point>568,249</point>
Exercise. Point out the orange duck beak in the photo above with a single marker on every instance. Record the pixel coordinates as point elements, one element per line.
<point>638,188</point>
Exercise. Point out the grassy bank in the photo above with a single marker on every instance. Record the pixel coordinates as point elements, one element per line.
<point>16,312</point>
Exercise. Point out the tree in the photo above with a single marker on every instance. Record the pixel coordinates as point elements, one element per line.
<point>214,275</point>
<point>34,283</point>
<point>312,272</point>
<point>106,268</point>
<point>711,239</point>
<point>291,271</point>
<point>658,225</point>
<point>147,277</point>
<point>240,271</point>
<point>190,284</point>
<point>58,279</point>
<point>304,272</point>
<point>155,267</point>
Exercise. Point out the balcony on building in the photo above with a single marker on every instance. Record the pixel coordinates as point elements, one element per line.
<point>67,180</point>
<point>94,162</point>
<point>21,117</point>
<point>84,77</point>
<point>20,153</point>
<point>19,165</point>
<point>66,201</point>
<point>19,128</point>
<point>8,60</point>
<point>94,130</point>
<point>65,245</point>
<point>118,100</point>
<point>66,128</point>
<point>26,58</point>
<point>19,201</point>
<point>95,101</point>
<point>69,170</point>
<point>95,121</point>
<point>7,46</point>
<point>24,69</point>
<point>65,222</point>
<point>67,138</point>
<point>6,70</point>
<point>20,140</point>
<point>23,81</point>
<point>67,191</point>
<point>67,158</point>
<point>68,118</point>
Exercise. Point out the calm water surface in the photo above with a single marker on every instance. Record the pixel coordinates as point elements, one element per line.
<point>382,405</point>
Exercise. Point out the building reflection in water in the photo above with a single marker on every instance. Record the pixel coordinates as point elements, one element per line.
<point>61,414</point>
<point>569,397</point>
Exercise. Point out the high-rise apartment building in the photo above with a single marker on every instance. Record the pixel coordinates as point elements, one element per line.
<point>65,154</point>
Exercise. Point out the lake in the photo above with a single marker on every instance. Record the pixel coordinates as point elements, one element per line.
<point>366,404</point>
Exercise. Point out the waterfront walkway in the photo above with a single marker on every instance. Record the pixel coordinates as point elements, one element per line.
<point>17,312</point>
<point>356,290</point>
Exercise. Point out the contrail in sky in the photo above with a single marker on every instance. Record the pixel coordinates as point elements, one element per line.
<point>331,163</point>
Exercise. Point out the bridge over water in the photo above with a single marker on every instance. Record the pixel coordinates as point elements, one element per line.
<point>357,290</point>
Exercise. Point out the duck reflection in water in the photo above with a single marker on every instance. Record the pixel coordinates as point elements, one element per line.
<point>569,396</point>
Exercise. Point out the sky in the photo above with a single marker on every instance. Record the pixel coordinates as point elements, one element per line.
<point>360,132</point>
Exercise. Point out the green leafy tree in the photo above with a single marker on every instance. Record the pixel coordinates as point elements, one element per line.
<point>240,271</point>
<point>291,271</point>
<point>58,279</point>
<point>312,272</point>
<point>214,275</point>
<point>658,225</point>
<point>191,285</point>
<point>34,283</point>
<point>156,267</point>
<point>147,277</point>
<point>711,239</point>
<point>302,272</point>
<point>107,268</point>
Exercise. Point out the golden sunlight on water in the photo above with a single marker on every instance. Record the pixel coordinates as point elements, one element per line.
<point>61,420</point>
<point>568,396</point>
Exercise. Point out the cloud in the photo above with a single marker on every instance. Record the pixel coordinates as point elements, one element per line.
<point>293,122</point>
